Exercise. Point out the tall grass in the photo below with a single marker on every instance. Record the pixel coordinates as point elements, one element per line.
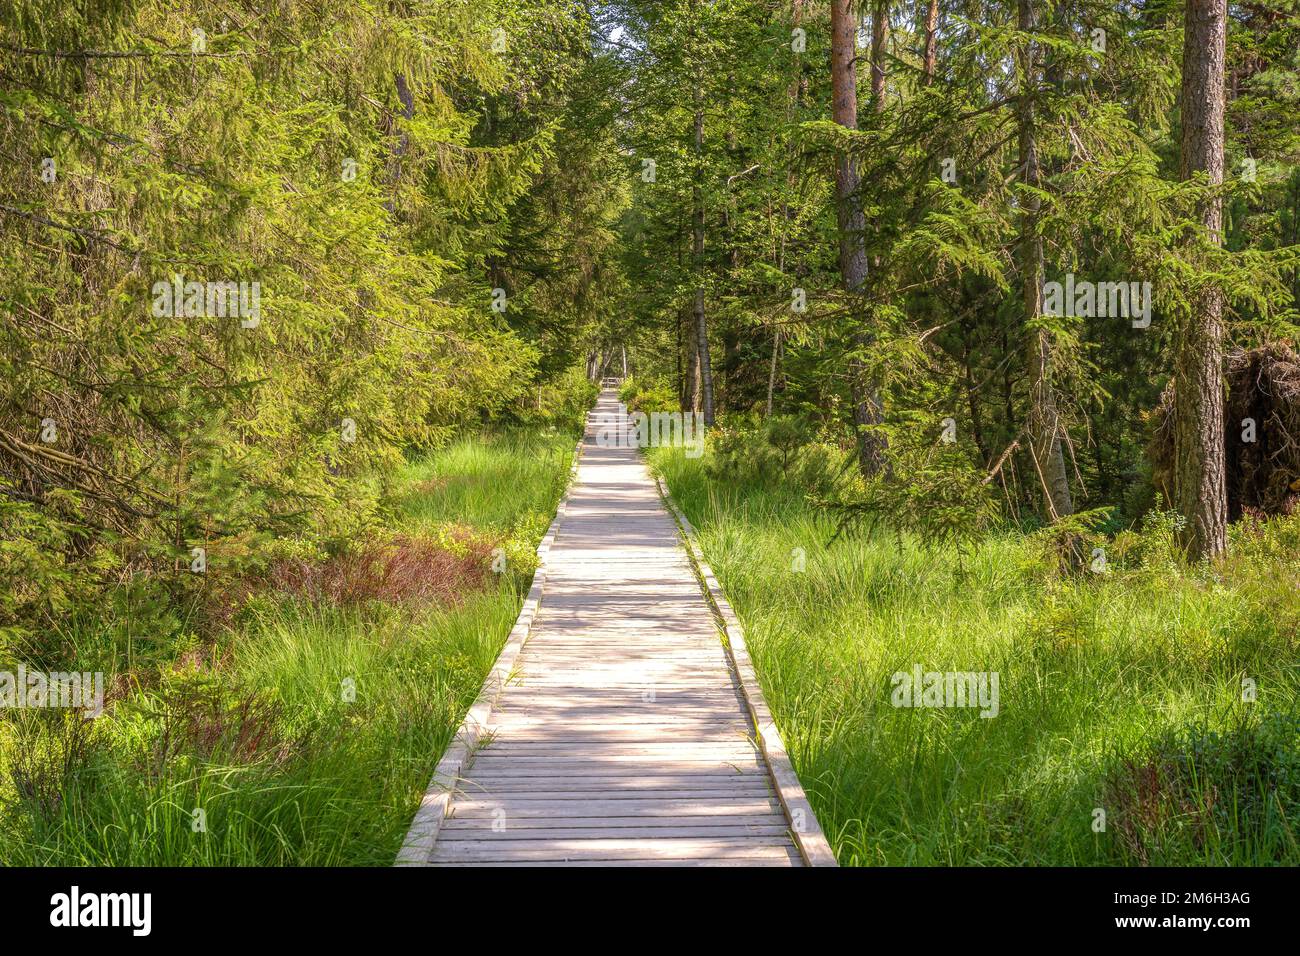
<point>1119,692</point>
<point>502,483</point>
<point>304,733</point>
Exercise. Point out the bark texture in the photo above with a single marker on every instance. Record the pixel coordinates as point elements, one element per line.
<point>931,29</point>
<point>697,250</point>
<point>1044,425</point>
<point>852,223</point>
<point>1199,479</point>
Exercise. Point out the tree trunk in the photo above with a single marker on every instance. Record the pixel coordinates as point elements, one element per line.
<point>799,88</point>
<point>697,248</point>
<point>853,256</point>
<point>1044,426</point>
<point>771,374</point>
<point>972,399</point>
<point>683,376</point>
<point>879,36</point>
<point>691,383</point>
<point>931,28</point>
<point>407,100</point>
<point>1199,469</point>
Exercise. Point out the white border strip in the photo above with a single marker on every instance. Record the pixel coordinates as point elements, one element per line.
<point>417,848</point>
<point>808,835</point>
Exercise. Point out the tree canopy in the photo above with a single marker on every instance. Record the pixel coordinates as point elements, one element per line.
<point>253,252</point>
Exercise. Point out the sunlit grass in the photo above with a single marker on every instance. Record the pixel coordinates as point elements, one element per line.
<point>496,484</point>
<point>1093,669</point>
<point>344,713</point>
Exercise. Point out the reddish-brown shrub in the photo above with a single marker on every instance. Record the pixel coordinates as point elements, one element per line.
<point>201,717</point>
<point>430,485</point>
<point>401,570</point>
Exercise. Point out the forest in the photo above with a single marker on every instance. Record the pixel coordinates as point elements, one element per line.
<point>988,309</point>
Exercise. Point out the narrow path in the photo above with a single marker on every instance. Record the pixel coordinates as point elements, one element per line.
<point>622,737</point>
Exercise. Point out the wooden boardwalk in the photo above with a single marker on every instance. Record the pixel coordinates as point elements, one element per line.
<point>622,736</point>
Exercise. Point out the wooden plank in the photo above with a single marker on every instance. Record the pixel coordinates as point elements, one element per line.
<point>657,754</point>
<point>664,756</point>
<point>577,795</point>
<point>773,857</point>
<point>733,782</point>
<point>526,692</point>
<point>639,732</point>
<point>478,831</point>
<point>633,730</point>
<point>504,820</point>
<point>557,850</point>
<point>551,808</point>
<point>555,654</point>
<point>736,747</point>
<point>615,767</point>
<point>599,688</point>
<point>653,712</point>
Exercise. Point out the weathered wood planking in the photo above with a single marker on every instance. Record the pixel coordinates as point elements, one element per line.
<point>623,735</point>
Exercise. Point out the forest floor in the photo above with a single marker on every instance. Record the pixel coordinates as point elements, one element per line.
<point>306,733</point>
<point>1146,715</point>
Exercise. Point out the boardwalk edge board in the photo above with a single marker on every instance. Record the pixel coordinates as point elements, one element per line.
<point>808,836</point>
<point>417,848</point>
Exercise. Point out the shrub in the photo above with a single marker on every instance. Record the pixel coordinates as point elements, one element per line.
<point>402,570</point>
<point>741,453</point>
<point>562,403</point>
<point>640,396</point>
<point>50,755</point>
<point>1215,794</point>
<point>199,715</point>
<point>931,491</point>
<point>787,434</point>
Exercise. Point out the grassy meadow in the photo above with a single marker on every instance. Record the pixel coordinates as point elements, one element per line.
<point>1125,692</point>
<point>302,729</point>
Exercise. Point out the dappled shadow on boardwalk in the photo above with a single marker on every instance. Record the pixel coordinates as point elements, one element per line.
<point>621,738</point>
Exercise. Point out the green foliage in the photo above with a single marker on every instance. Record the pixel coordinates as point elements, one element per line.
<point>253,726</point>
<point>641,396</point>
<point>1095,670</point>
<point>938,326</point>
<point>929,490</point>
<point>1218,794</point>
<point>787,435</point>
<point>1074,542</point>
<point>342,157</point>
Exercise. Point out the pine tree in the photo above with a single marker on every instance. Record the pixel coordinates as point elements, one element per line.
<point>1198,360</point>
